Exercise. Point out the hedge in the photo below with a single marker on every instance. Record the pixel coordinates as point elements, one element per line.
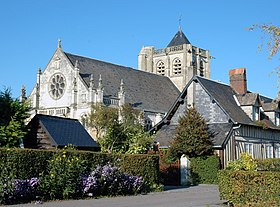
<point>204,169</point>
<point>250,188</point>
<point>27,163</point>
<point>272,164</point>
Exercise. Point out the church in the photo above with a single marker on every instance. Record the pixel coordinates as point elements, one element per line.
<point>70,83</point>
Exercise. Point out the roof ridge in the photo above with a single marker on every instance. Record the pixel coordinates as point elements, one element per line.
<point>56,117</point>
<point>123,67</point>
<point>215,81</point>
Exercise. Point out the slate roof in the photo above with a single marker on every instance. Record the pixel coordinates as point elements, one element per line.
<point>247,99</point>
<point>219,132</point>
<point>143,90</point>
<point>179,39</point>
<point>224,96</point>
<point>64,131</point>
<point>269,104</point>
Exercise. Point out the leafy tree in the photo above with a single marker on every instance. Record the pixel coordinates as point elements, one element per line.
<point>192,137</point>
<point>124,136</point>
<point>12,116</point>
<point>101,118</point>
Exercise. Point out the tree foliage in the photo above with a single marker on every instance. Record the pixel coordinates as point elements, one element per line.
<point>119,131</point>
<point>273,33</point>
<point>101,118</point>
<point>192,137</point>
<point>12,116</point>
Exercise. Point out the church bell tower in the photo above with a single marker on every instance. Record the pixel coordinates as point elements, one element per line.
<point>179,61</point>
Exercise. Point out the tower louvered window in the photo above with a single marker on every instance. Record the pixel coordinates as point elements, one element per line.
<point>177,66</point>
<point>161,68</point>
<point>201,69</point>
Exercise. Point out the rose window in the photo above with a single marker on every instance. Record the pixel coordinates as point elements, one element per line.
<point>57,86</point>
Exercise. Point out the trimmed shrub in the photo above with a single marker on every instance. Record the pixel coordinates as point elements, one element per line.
<point>249,187</point>
<point>272,164</point>
<point>205,169</point>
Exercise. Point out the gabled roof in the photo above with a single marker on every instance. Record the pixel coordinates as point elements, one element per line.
<point>221,94</point>
<point>248,99</point>
<point>179,39</point>
<point>143,90</point>
<point>224,96</point>
<point>64,131</point>
<point>269,104</point>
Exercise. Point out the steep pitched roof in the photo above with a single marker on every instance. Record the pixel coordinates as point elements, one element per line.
<point>224,96</point>
<point>179,39</point>
<point>64,131</point>
<point>143,90</point>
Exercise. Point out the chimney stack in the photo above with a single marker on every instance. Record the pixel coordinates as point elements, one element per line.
<point>238,80</point>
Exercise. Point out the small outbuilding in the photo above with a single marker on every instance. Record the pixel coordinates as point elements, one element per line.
<point>47,132</point>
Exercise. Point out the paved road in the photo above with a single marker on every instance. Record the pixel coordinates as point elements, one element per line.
<point>197,196</point>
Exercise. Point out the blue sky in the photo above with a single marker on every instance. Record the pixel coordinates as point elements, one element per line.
<point>115,31</point>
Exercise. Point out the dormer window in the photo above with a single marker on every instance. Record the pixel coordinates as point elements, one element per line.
<point>177,66</point>
<point>161,68</point>
<point>256,113</point>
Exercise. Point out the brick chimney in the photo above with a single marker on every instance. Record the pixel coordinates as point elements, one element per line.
<point>238,80</point>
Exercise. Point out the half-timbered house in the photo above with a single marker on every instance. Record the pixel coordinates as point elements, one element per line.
<point>240,121</point>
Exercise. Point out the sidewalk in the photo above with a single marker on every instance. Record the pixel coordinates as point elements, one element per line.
<point>196,196</point>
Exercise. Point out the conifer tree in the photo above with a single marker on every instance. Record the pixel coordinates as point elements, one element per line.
<point>192,138</point>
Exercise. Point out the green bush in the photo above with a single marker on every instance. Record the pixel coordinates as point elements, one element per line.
<point>63,177</point>
<point>205,169</point>
<point>246,162</point>
<point>249,187</point>
<point>272,164</point>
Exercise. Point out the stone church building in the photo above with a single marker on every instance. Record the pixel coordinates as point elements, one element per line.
<point>70,83</point>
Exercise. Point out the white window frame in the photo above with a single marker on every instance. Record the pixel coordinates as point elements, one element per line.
<point>277,151</point>
<point>256,113</point>
<point>277,120</point>
<point>248,147</point>
<point>268,151</point>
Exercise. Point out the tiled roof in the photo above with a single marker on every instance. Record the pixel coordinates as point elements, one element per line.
<point>179,39</point>
<point>143,90</point>
<point>64,131</point>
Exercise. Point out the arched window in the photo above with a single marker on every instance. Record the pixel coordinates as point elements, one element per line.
<point>177,66</point>
<point>161,68</point>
